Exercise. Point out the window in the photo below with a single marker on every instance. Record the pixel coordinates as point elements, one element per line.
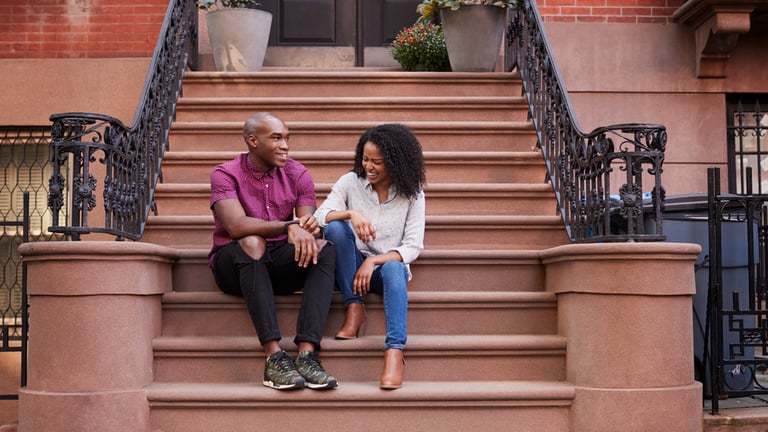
<point>747,144</point>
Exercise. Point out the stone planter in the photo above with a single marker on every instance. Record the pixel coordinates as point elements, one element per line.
<point>239,38</point>
<point>473,36</point>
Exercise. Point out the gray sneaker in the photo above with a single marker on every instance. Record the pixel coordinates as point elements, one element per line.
<point>308,365</point>
<point>280,374</point>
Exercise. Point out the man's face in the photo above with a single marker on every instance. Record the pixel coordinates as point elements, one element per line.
<point>268,145</point>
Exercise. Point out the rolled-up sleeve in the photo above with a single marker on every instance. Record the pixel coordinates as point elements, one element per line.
<point>413,234</point>
<point>335,201</point>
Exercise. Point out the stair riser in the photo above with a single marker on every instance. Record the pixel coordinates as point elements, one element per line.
<point>438,171</point>
<point>346,87</point>
<point>367,415</point>
<point>377,111</point>
<point>423,318</point>
<point>193,275</point>
<point>244,367</point>
<point>445,138</point>
<point>180,203</point>
<point>478,236</point>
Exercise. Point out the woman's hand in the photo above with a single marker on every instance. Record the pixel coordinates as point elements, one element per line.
<point>363,227</point>
<point>362,282</point>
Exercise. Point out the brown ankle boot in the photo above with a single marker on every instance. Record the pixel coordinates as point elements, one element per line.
<point>354,318</point>
<point>392,377</point>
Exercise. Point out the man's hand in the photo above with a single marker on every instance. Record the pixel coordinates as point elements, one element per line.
<point>303,241</point>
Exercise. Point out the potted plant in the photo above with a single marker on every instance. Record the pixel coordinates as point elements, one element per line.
<point>421,47</point>
<point>473,30</point>
<point>239,33</point>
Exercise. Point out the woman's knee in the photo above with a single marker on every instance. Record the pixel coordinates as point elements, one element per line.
<point>336,230</point>
<point>254,246</point>
<point>394,269</point>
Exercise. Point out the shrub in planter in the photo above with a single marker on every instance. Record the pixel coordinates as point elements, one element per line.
<point>421,47</point>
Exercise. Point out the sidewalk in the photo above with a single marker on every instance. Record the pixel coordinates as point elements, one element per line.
<point>747,414</point>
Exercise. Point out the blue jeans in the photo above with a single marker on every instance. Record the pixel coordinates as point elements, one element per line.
<point>389,280</point>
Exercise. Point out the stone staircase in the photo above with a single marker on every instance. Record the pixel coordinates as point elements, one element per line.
<point>483,349</point>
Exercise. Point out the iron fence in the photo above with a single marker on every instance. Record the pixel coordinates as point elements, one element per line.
<point>737,303</point>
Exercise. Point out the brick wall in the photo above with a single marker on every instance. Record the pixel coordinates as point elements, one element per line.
<point>129,28</point>
<point>609,11</point>
<point>79,28</point>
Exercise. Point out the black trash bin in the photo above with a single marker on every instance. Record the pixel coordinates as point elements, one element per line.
<point>686,220</point>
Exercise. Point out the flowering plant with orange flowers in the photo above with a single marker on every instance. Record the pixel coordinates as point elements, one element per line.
<point>421,47</point>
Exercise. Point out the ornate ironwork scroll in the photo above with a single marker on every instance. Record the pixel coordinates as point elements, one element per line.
<point>598,177</point>
<point>737,302</point>
<point>88,147</point>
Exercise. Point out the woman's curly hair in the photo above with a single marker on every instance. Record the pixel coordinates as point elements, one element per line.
<point>402,157</point>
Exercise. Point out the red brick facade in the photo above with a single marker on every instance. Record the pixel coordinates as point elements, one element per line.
<point>609,11</point>
<point>79,28</point>
<point>120,28</point>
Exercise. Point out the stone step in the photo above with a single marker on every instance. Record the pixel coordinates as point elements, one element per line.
<point>394,108</point>
<point>447,313</point>
<point>343,135</point>
<point>491,405</point>
<point>428,358</point>
<point>354,82</point>
<point>450,270</point>
<point>328,166</point>
<point>442,232</point>
<point>442,198</point>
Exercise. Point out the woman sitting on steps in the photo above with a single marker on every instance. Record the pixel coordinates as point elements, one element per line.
<point>375,217</point>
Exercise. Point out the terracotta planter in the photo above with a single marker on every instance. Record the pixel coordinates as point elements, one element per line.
<point>473,36</point>
<point>239,38</point>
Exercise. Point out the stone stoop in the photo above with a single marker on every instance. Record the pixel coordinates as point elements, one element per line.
<point>483,347</point>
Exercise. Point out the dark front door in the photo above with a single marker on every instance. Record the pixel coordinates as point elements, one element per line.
<point>327,24</point>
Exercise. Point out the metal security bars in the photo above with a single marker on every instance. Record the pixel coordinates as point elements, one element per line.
<point>128,159</point>
<point>25,166</point>
<point>737,297</point>
<point>747,124</point>
<point>608,181</point>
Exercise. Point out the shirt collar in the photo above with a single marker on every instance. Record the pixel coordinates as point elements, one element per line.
<point>255,171</point>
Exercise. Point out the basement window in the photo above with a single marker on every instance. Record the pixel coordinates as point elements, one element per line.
<point>747,143</point>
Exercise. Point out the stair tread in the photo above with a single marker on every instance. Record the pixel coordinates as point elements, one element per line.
<point>364,125</point>
<point>348,155</point>
<point>213,298</point>
<point>413,392</point>
<point>431,219</point>
<point>430,187</point>
<point>416,343</point>
<point>355,100</point>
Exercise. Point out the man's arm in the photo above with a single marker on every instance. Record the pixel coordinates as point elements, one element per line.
<point>234,220</point>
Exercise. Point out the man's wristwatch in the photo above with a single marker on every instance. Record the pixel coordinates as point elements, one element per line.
<point>285,227</point>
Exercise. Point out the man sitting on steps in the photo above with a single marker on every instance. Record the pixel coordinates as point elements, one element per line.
<point>260,250</point>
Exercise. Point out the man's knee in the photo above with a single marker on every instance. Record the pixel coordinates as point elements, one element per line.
<point>325,249</point>
<point>254,246</point>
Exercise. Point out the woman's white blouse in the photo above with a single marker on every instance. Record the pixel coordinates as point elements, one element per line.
<point>399,221</point>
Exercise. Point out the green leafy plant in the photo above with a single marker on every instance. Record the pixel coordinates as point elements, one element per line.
<point>421,47</point>
<point>219,4</point>
<point>429,8</point>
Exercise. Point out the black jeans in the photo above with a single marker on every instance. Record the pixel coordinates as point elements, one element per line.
<point>277,273</point>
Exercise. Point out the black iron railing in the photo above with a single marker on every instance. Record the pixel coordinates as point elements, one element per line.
<point>128,158</point>
<point>608,181</point>
<point>737,298</point>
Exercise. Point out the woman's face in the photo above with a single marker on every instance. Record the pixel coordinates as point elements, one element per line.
<point>374,166</point>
